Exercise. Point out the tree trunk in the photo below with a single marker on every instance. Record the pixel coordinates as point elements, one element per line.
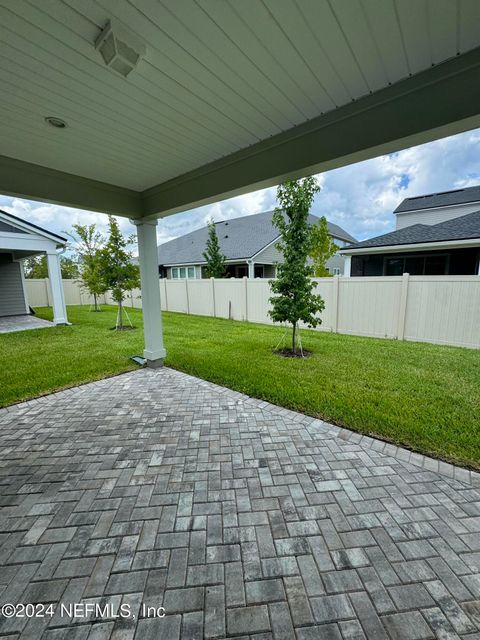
<point>95,305</point>
<point>293,337</point>
<point>120,316</point>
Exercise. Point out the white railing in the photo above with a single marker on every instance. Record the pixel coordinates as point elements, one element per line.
<point>438,309</point>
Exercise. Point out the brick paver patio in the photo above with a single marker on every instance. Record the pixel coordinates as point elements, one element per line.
<point>239,518</point>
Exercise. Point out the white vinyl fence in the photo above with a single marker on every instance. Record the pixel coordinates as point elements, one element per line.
<point>438,309</point>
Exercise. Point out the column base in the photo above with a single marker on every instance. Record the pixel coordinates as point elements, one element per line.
<point>155,364</point>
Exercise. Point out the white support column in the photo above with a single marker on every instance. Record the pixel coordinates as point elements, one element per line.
<point>154,351</point>
<point>348,266</point>
<point>56,287</point>
<point>251,269</point>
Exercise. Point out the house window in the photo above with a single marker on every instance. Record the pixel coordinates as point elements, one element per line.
<point>431,264</point>
<point>258,271</point>
<point>436,265</point>
<point>183,272</point>
<point>394,266</point>
<point>241,271</point>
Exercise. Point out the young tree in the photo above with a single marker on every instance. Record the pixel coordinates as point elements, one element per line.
<point>88,244</point>
<point>322,248</point>
<point>119,274</point>
<point>69,268</point>
<point>36,267</point>
<point>214,257</point>
<point>295,300</point>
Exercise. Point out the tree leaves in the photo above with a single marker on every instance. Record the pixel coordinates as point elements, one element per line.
<point>213,256</point>
<point>295,301</point>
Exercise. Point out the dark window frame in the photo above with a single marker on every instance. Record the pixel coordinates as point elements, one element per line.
<point>405,257</point>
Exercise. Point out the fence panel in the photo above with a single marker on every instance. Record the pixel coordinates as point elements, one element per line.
<point>37,292</point>
<point>325,288</point>
<point>258,293</point>
<point>444,310</point>
<point>200,297</point>
<point>230,298</point>
<point>438,309</point>
<point>177,296</point>
<point>369,306</point>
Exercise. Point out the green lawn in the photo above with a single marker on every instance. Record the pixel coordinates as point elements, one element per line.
<point>422,396</point>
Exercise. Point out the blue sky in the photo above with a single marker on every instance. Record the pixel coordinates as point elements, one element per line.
<point>360,197</point>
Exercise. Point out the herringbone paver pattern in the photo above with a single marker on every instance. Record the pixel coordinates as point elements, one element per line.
<point>240,519</point>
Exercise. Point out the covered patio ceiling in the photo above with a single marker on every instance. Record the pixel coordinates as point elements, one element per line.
<point>229,97</point>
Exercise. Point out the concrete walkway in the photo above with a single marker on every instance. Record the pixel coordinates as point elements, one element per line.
<point>156,489</point>
<point>22,323</point>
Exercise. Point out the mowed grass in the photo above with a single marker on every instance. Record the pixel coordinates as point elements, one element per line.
<point>422,396</point>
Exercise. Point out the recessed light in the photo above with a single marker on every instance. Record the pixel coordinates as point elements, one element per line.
<point>58,123</point>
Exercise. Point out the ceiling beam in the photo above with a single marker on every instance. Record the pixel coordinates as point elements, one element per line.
<point>432,104</point>
<point>34,182</point>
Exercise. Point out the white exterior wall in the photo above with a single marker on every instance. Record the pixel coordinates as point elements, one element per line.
<point>437,309</point>
<point>435,215</point>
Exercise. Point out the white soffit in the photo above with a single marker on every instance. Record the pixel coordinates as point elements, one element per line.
<point>218,76</point>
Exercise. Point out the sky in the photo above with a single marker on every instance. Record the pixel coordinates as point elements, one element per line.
<point>360,198</point>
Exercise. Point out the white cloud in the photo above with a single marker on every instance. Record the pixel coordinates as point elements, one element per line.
<point>360,197</point>
<point>57,218</point>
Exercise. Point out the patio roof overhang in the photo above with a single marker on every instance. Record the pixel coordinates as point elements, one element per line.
<point>229,97</point>
<point>441,101</point>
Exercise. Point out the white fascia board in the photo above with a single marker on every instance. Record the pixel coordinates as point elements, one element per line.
<point>26,242</point>
<point>401,248</point>
<point>22,225</point>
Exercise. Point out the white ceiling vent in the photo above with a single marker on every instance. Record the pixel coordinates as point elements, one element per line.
<point>121,50</point>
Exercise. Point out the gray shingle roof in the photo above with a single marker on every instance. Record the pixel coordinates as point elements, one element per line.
<point>239,238</point>
<point>442,199</point>
<point>461,228</point>
<point>34,227</point>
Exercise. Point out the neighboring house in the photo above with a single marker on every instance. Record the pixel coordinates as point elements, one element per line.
<point>248,244</point>
<point>436,234</point>
<point>19,240</point>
